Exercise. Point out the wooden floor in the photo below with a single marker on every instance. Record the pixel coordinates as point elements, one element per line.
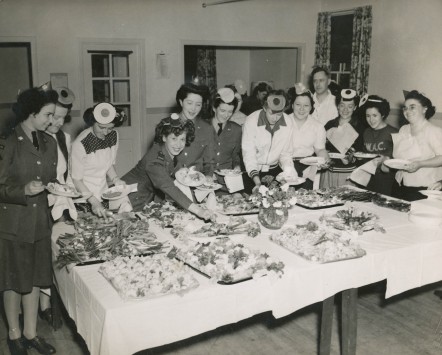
<point>407,324</point>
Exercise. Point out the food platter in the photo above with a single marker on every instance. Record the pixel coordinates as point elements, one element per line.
<point>312,161</point>
<point>115,192</point>
<point>399,164</point>
<point>312,200</point>
<point>363,155</point>
<point>190,177</point>
<point>317,243</point>
<point>62,190</point>
<point>235,205</point>
<point>228,172</point>
<point>319,206</point>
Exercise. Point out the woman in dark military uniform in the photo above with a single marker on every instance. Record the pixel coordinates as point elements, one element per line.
<point>155,172</point>
<point>227,134</point>
<point>28,162</point>
<point>193,100</point>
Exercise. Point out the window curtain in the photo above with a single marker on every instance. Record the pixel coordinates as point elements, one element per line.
<point>206,67</point>
<point>360,58</point>
<point>323,40</point>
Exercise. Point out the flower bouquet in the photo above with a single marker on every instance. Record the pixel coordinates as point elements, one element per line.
<point>273,200</point>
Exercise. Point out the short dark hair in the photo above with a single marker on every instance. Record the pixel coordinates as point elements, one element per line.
<point>294,95</point>
<point>379,103</point>
<point>190,88</point>
<point>318,70</point>
<point>424,101</point>
<point>262,86</point>
<point>165,128</point>
<point>31,101</point>
<point>339,98</point>
<point>217,100</point>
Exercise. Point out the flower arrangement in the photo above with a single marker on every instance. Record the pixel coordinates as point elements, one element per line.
<point>273,194</point>
<point>273,199</point>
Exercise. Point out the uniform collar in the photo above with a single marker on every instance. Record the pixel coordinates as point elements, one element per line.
<point>263,121</point>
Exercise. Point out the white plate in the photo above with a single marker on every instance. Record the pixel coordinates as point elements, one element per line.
<point>399,164</point>
<point>197,179</point>
<point>365,155</point>
<point>122,189</point>
<point>336,155</point>
<point>228,172</point>
<point>51,188</point>
<point>209,187</point>
<point>290,180</point>
<point>432,193</point>
<point>312,161</point>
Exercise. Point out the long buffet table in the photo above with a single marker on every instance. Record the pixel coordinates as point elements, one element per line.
<point>407,256</point>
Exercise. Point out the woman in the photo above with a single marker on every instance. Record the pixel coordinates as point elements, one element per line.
<point>62,109</point>
<point>266,140</point>
<point>193,100</point>
<point>421,143</point>
<point>28,159</point>
<point>93,155</point>
<point>308,134</point>
<point>154,173</point>
<point>345,136</point>
<point>227,134</point>
<point>377,140</point>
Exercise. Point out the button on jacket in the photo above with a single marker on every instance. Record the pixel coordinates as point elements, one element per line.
<point>25,218</point>
<point>227,147</point>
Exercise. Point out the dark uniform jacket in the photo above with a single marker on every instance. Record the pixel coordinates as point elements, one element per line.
<point>155,174</point>
<point>200,153</point>
<point>227,148</point>
<point>25,218</point>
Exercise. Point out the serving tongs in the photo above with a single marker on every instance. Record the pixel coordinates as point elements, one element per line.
<point>320,240</point>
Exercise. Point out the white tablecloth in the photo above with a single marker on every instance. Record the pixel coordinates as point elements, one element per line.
<point>407,256</point>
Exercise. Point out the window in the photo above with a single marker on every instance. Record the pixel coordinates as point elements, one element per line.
<point>340,48</point>
<point>111,80</point>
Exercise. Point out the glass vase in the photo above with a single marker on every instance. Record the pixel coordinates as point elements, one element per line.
<point>273,218</point>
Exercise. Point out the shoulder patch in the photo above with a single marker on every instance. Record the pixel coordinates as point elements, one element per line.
<point>161,156</point>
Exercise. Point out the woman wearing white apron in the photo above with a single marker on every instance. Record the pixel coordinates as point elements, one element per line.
<point>93,155</point>
<point>419,142</point>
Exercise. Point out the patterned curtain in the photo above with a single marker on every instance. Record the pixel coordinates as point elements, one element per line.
<point>206,68</point>
<point>360,58</point>
<point>323,40</point>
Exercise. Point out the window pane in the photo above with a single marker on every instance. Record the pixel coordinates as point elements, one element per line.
<point>121,91</point>
<point>341,40</point>
<point>120,65</point>
<point>344,80</point>
<point>101,91</point>
<point>100,65</point>
<point>126,109</point>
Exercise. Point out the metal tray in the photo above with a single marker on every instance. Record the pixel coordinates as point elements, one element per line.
<point>319,207</point>
<point>243,213</point>
<point>209,277</point>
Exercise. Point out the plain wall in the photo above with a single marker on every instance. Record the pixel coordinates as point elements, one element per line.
<point>232,64</point>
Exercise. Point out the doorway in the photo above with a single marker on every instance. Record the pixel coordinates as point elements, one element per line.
<point>278,64</point>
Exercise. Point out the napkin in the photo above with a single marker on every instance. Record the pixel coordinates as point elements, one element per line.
<point>362,175</point>
<point>61,203</point>
<point>342,137</point>
<point>310,172</point>
<point>234,183</point>
<point>200,195</point>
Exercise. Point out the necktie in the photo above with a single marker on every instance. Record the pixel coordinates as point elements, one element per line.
<point>220,125</point>
<point>175,161</point>
<point>35,140</point>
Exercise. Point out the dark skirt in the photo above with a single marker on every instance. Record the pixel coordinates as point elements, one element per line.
<point>25,265</point>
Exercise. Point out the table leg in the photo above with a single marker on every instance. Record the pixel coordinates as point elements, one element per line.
<point>349,321</point>
<point>326,325</point>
